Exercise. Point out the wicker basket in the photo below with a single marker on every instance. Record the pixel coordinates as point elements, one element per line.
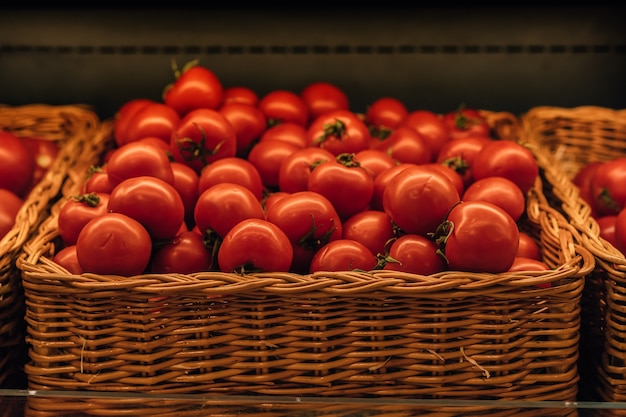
<point>70,126</point>
<point>384,334</point>
<point>565,139</point>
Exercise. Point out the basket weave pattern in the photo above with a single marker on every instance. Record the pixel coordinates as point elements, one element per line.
<point>565,140</point>
<point>451,335</point>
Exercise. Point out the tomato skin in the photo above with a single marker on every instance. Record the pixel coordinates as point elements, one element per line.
<point>295,169</point>
<point>137,159</point>
<point>371,228</point>
<point>223,205</point>
<point>454,177</point>
<point>267,157</point>
<point>123,116</point>
<point>511,160</point>
<point>97,181</point>
<point>406,145</point>
<point>528,248</point>
<point>76,213</point>
<point>68,259</point>
<point>343,255</point>
<point>17,164</point>
<point>202,137</point>
<point>607,228</point>
<point>291,132</point>
<point>240,94</point>
<point>323,97</point>
<point>582,179</point>
<point>484,238</point>
<point>466,122</point>
<point>607,187</point>
<point>232,170</point>
<point>385,113</point>
<point>375,161</point>
<point>620,231</point>
<point>414,254</point>
<point>418,199</point>
<point>381,181</point>
<point>194,88</point>
<point>153,120</point>
<point>114,244</point>
<point>430,125</point>
<point>151,201</point>
<point>249,123</point>
<point>255,245</point>
<point>10,206</point>
<point>186,182</point>
<point>271,198</point>
<point>521,264</point>
<point>459,154</point>
<point>339,131</point>
<point>281,106</point>
<point>500,191</point>
<point>345,183</point>
<point>45,152</point>
<point>184,254</point>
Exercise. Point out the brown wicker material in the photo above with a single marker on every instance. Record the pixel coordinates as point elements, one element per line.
<point>383,334</point>
<point>565,140</point>
<point>71,127</point>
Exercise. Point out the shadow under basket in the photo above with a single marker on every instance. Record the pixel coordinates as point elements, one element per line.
<point>351,334</point>
<point>565,140</point>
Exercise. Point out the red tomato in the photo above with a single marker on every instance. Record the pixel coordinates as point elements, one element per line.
<point>202,137</point>
<point>418,199</point>
<point>414,254</point>
<point>452,175</point>
<point>607,187</point>
<point>375,161</point>
<point>371,228</point>
<point>45,152</point>
<point>405,144</point>
<point>500,191</point>
<point>339,131</point>
<point>232,170</point>
<point>272,198</point>
<point>123,116</point>
<point>194,87</point>
<point>511,160</point>
<point>153,120</point>
<point>521,264</point>
<point>281,106</point>
<point>249,123</point>
<point>186,182</point>
<point>114,244</point>
<point>607,228</point>
<point>466,122</point>
<point>223,205</point>
<point>240,94</point>
<point>10,206</point>
<point>380,183</point>
<point>620,231</point>
<point>478,236</point>
<point>295,169</point>
<point>68,259</point>
<point>528,248</point>
<point>184,254</point>
<point>345,183</point>
<point>151,201</point>
<point>97,181</point>
<point>459,154</point>
<point>583,179</point>
<point>323,97</point>
<point>430,125</point>
<point>17,164</point>
<point>291,132</point>
<point>76,212</point>
<point>255,245</point>
<point>309,220</point>
<point>137,159</point>
<point>343,255</point>
<point>384,115</point>
<point>267,156</point>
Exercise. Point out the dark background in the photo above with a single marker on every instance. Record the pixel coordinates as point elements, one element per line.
<point>501,59</point>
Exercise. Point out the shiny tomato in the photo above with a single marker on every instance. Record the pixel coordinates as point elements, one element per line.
<point>249,123</point>
<point>123,116</point>
<point>232,170</point>
<point>375,161</point>
<point>151,201</point>
<point>255,245</point>
<point>607,228</point>
<point>240,94</point>
<point>97,181</point>
<point>10,206</point>
<point>459,154</point>
<point>430,125</point>
<point>309,220</point>
<point>287,131</point>
<point>384,115</point>
<point>405,144</point>
<point>345,183</point>
<point>267,157</point>
<point>45,152</point>
<point>17,164</point>
<point>620,231</point>
<point>270,198</point>
<point>380,183</point>
<point>528,248</point>
<point>184,254</point>
<point>511,160</point>
<point>418,199</point>
<point>452,175</point>
<point>372,228</point>
<point>582,179</point>
<point>414,254</point>
<point>68,259</point>
<point>500,191</point>
<point>202,137</point>
<point>339,131</point>
<point>154,120</point>
<point>223,205</point>
<point>607,186</point>
<point>137,159</point>
<point>343,255</point>
<point>295,169</point>
<point>478,236</point>
<point>323,97</point>
<point>521,264</point>
<point>281,106</point>
<point>186,182</point>
<point>114,244</point>
<point>76,212</point>
<point>465,122</point>
<point>194,87</point>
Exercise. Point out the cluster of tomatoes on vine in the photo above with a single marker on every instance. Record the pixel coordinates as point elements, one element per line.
<point>216,178</point>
